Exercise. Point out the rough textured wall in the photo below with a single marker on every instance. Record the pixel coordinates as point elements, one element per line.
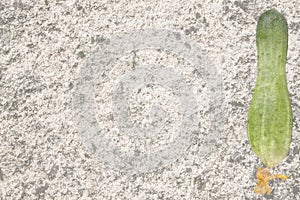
<point>164,111</point>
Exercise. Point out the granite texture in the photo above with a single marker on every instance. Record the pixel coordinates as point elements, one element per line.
<point>48,52</point>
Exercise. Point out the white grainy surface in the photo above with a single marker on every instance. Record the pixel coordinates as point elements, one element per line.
<point>43,45</point>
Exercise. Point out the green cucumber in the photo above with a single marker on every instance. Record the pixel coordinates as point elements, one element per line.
<point>270,113</point>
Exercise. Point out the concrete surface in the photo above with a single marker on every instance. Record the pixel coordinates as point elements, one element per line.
<point>93,108</point>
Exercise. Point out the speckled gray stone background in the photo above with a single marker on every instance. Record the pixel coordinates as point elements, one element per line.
<point>44,44</point>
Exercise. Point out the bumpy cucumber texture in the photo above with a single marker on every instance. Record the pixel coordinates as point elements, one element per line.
<point>270,115</point>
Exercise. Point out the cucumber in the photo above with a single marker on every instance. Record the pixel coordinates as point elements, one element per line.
<point>270,113</point>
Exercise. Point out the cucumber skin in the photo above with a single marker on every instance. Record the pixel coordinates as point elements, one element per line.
<point>270,113</point>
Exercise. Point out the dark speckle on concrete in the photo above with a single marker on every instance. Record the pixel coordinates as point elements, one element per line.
<point>296,190</point>
<point>296,150</point>
<point>99,39</point>
<point>200,183</point>
<point>1,7</point>
<point>190,30</point>
<point>270,196</point>
<point>94,148</point>
<point>187,45</point>
<point>79,7</point>
<point>18,4</point>
<point>204,21</point>
<point>53,172</point>
<point>226,9</point>
<point>236,104</point>
<point>81,54</point>
<point>294,26</point>
<point>242,5</point>
<point>177,36</point>
<point>1,174</point>
<point>40,191</point>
